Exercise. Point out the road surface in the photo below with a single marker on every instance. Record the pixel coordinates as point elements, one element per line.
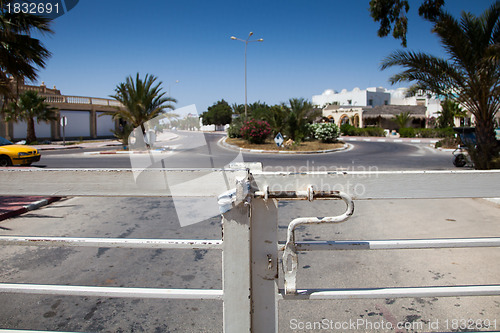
<point>362,156</point>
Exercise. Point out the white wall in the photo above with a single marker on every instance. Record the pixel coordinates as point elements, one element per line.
<point>398,97</point>
<point>42,130</point>
<point>356,97</point>
<point>105,124</point>
<point>78,123</point>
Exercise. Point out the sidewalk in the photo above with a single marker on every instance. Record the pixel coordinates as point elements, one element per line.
<point>14,206</point>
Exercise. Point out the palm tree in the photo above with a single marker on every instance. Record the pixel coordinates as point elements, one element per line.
<point>29,106</point>
<point>276,117</point>
<point>449,110</point>
<point>470,75</point>
<point>402,119</point>
<point>300,112</point>
<point>20,54</point>
<point>142,100</point>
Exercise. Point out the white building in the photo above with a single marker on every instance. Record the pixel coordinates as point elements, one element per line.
<point>356,97</point>
<point>433,105</point>
<point>376,97</point>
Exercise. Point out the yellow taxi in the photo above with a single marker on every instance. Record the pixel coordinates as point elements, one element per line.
<point>11,154</point>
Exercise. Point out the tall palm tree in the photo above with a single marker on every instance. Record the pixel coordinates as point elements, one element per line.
<point>142,100</point>
<point>20,54</point>
<point>29,106</point>
<point>470,75</point>
<point>300,112</point>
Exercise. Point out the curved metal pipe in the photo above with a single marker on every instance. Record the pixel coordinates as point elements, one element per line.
<point>290,259</point>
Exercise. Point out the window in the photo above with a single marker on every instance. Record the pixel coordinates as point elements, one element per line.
<point>370,102</point>
<point>386,102</point>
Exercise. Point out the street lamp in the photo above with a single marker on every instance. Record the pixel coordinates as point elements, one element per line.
<point>246,44</point>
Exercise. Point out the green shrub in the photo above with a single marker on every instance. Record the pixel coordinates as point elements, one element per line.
<point>407,132</point>
<point>234,130</point>
<point>434,132</point>
<point>371,131</point>
<point>347,129</point>
<point>350,130</point>
<point>325,132</point>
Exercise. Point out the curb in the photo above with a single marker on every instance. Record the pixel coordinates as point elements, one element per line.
<point>33,206</point>
<point>59,148</point>
<point>494,200</point>
<point>381,139</point>
<point>127,152</point>
<point>222,142</point>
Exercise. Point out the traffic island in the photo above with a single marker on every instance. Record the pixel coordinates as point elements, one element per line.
<point>270,147</point>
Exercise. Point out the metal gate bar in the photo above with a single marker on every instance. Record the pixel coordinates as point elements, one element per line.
<point>119,292</point>
<point>441,291</point>
<point>128,243</point>
<point>395,244</point>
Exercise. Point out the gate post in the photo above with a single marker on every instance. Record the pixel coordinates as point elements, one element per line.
<point>236,269</point>
<point>264,247</point>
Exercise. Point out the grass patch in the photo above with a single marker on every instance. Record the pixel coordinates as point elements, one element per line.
<point>270,145</point>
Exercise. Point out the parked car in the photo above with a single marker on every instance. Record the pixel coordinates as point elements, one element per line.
<point>11,154</point>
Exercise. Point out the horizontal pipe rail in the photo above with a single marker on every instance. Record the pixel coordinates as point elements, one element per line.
<point>31,331</point>
<point>114,292</point>
<point>397,244</point>
<point>128,243</point>
<point>453,291</point>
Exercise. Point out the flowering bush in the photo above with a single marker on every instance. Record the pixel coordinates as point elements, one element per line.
<point>325,132</point>
<point>255,131</point>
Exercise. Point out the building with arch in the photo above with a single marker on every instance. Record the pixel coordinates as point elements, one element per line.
<point>376,106</point>
<point>343,115</point>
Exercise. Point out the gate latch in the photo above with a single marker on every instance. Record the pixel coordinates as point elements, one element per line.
<point>290,258</point>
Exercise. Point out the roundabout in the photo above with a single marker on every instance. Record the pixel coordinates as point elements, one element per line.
<point>233,145</point>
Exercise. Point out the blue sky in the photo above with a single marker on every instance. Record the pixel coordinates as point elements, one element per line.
<point>309,46</point>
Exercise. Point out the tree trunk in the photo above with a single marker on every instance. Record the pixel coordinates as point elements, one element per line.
<point>487,147</point>
<point>142,140</point>
<point>30,135</point>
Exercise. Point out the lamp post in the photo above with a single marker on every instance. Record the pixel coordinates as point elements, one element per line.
<point>246,44</point>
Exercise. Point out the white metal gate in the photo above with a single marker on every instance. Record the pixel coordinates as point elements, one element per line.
<point>250,245</point>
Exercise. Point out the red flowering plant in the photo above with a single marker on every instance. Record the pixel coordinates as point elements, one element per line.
<point>255,131</point>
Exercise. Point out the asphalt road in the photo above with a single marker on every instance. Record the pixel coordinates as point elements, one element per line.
<point>157,218</point>
<point>192,152</point>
